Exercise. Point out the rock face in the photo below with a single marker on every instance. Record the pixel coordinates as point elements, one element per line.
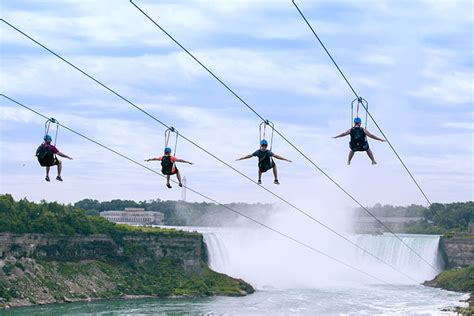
<point>47,268</point>
<point>187,248</point>
<point>458,251</point>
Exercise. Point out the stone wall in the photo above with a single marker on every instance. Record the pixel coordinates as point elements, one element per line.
<point>189,249</point>
<point>458,251</point>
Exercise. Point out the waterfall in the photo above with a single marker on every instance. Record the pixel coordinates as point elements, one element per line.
<point>391,250</point>
<point>217,251</point>
<point>388,248</point>
<point>268,260</point>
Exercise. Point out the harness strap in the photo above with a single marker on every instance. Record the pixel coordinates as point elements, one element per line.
<point>263,131</point>
<point>365,105</point>
<point>167,138</point>
<point>47,126</point>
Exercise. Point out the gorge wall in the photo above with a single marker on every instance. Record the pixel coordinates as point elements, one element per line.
<point>47,268</point>
<point>457,250</point>
<point>188,248</point>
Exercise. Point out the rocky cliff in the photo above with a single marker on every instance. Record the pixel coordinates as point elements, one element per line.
<point>457,250</point>
<point>187,248</point>
<point>47,268</point>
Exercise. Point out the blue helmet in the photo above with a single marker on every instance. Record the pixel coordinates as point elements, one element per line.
<point>263,142</point>
<point>167,150</point>
<point>47,138</point>
<point>357,120</point>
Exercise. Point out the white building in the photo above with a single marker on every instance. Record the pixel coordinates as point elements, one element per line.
<point>132,215</point>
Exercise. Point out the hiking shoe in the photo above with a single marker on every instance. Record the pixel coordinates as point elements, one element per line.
<point>59,178</point>
<point>168,185</point>
<point>259,181</point>
<point>181,185</point>
<point>374,162</point>
<point>276,181</point>
<point>47,178</point>
<point>348,162</point>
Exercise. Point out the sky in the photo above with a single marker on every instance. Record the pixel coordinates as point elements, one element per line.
<point>412,61</point>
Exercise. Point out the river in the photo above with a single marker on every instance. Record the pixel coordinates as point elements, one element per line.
<point>367,300</point>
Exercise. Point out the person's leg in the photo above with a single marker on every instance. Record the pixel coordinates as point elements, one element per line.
<point>259,176</point>
<point>178,175</point>
<point>47,173</point>
<point>168,181</point>
<point>60,167</point>
<point>371,156</point>
<point>275,173</point>
<point>351,155</point>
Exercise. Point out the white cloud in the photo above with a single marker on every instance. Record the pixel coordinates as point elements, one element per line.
<point>460,125</point>
<point>443,81</point>
<point>451,89</point>
<point>379,59</point>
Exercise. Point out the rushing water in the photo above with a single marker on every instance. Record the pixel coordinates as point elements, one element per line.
<point>292,280</point>
<point>264,260</point>
<point>372,300</point>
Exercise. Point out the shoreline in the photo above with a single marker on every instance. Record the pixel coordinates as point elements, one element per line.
<point>82,304</point>
<point>67,300</point>
<point>460,280</point>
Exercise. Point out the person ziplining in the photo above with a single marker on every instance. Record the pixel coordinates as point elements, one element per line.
<point>265,156</point>
<point>358,134</point>
<point>46,152</point>
<point>359,140</point>
<point>168,161</point>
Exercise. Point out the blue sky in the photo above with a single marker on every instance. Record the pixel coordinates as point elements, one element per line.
<point>412,60</point>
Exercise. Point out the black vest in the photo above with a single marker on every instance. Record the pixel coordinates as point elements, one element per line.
<point>166,165</point>
<point>358,139</point>
<point>265,162</point>
<point>45,157</point>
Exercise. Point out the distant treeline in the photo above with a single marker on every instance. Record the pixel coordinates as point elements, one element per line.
<point>448,217</point>
<point>29,217</point>
<point>436,219</point>
<point>23,216</point>
<point>394,211</point>
<point>183,213</point>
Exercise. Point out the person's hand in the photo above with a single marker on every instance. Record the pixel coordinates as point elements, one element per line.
<point>334,137</point>
<point>70,158</point>
<point>147,159</point>
<point>191,163</point>
<point>289,160</point>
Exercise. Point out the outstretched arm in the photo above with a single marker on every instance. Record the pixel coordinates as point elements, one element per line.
<point>343,134</point>
<point>369,134</point>
<point>281,158</point>
<point>63,155</point>
<point>244,157</point>
<point>153,159</point>
<point>182,160</point>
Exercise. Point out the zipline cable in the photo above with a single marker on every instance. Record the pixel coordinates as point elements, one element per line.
<point>203,195</point>
<point>214,156</point>
<point>359,98</point>
<point>284,138</point>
